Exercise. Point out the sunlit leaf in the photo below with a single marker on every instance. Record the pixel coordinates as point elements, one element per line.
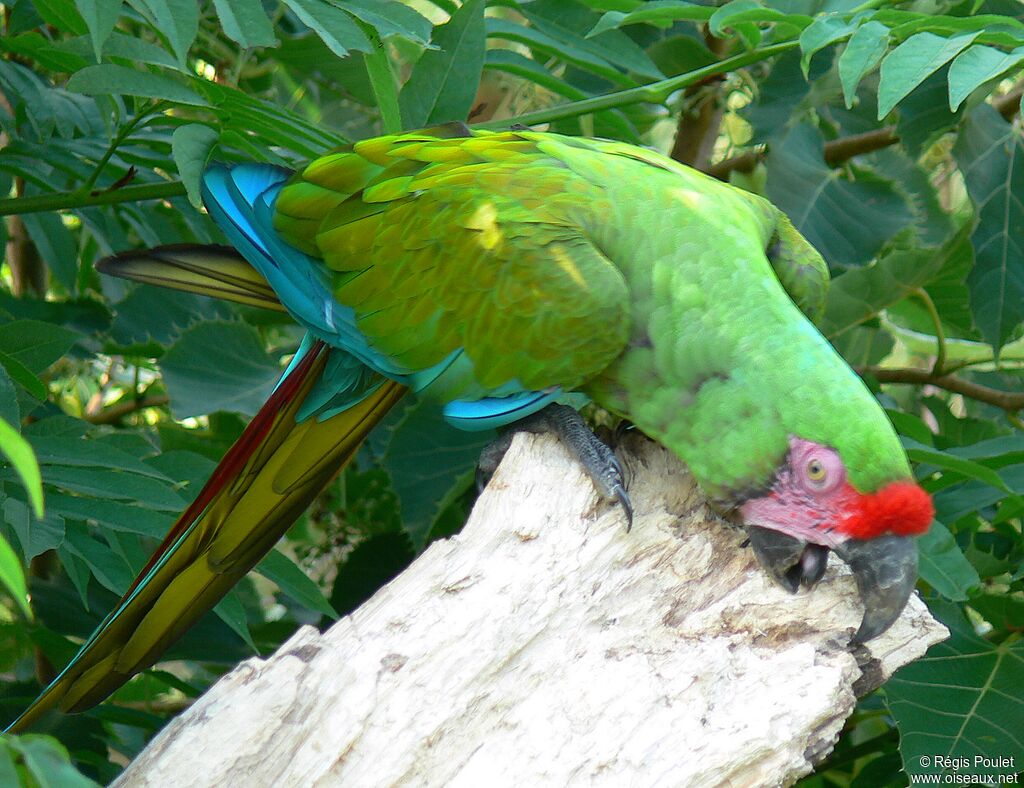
<point>977,65</point>
<point>108,79</point>
<point>246,22</point>
<point>862,53</point>
<point>913,61</point>
<point>444,81</point>
<point>100,16</point>
<point>191,146</point>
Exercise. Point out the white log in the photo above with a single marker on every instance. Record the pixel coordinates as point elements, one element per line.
<point>544,645</point>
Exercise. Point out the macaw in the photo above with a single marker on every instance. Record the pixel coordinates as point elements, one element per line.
<point>491,272</point>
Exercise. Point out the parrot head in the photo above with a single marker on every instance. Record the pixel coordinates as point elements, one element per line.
<point>811,507</point>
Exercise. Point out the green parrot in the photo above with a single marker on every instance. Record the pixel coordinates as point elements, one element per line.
<point>492,273</point>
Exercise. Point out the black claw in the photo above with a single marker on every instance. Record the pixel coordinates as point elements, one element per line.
<point>598,460</point>
<point>623,498</point>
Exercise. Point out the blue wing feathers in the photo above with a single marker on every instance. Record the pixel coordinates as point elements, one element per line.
<point>241,199</point>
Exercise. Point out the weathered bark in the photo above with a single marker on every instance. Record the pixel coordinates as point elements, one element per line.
<point>544,645</point>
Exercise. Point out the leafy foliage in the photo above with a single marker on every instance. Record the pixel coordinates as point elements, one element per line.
<point>890,133</point>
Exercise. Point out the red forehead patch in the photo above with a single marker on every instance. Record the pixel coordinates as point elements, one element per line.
<point>900,508</point>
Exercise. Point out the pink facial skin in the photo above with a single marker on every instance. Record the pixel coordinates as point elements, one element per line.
<point>811,500</point>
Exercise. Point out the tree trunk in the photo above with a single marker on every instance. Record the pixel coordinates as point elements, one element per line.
<point>544,645</point>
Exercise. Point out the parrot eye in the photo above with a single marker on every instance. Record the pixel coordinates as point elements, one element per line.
<point>816,471</point>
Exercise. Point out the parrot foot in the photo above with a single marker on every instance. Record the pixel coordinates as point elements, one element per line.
<point>598,460</point>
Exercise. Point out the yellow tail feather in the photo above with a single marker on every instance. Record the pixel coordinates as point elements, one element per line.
<point>250,501</point>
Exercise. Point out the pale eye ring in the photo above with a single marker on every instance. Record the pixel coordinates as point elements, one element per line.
<point>816,471</point>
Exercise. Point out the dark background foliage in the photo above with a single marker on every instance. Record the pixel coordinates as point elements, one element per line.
<point>890,133</point>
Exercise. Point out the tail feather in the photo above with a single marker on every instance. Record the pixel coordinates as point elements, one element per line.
<point>217,271</point>
<point>263,483</point>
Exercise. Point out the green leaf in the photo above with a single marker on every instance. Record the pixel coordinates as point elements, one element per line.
<point>425,459</point>
<point>863,52</point>
<point>34,343</point>
<point>444,82</point>
<point>47,762</point>
<point>1000,610</point>
<point>120,45</point>
<point>34,535</point>
<point>372,563</point>
<point>943,566</point>
<point>912,62</point>
<point>12,576</point>
<point>819,34</point>
<point>541,42</point>
<point>830,210</point>
<point>120,486</point>
<point>62,15</point>
<point>382,82</point>
<point>564,24</point>
<point>191,146</point>
<point>114,515</point>
<point>56,246</point>
<point>176,20</point>
<point>100,16</point>
<point>44,53</point>
<point>19,453</point>
<point>23,376</point>
<point>737,12</point>
<point>975,66</point>
<point>390,18</point>
<point>231,611</point>
<point>950,462</point>
<point>960,700</point>
<point>280,569</point>
<point>109,569</point>
<point>334,26</point>
<point>991,157</point>
<point>108,79</point>
<point>218,365</point>
<point>245,22</point>
<point>94,453</point>
<point>658,13</point>
<point>9,410</point>
<point>861,293</point>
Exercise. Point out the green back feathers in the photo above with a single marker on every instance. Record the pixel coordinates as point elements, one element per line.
<point>666,295</point>
<point>468,242</point>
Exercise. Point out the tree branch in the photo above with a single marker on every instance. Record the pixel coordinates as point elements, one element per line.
<point>1008,104</point>
<point>836,152</point>
<point>115,413</point>
<point>701,116</point>
<point>37,203</point>
<point>1008,401</point>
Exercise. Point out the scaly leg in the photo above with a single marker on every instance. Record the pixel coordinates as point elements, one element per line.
<point>598,460</point>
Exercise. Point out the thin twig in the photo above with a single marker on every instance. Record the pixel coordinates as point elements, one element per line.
<point>122,134</point>
<point>939,367</point>
<point>836,152</point>
<point>1008,401</point>
<point>1008,104</point>
<point>59,201</point>
<point>115,413</point>
<point>699,124</point>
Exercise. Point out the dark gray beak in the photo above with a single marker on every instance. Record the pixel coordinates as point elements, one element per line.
<point>885,569</point>
<point>793,563</point>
